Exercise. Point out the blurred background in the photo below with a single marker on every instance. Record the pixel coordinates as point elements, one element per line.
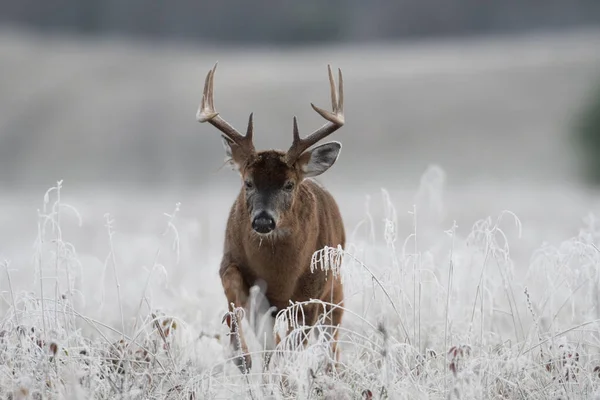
<point>105,92</point>
<point>463,107</point>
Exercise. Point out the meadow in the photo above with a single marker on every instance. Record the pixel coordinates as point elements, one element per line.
<point>469,274</point>
<point>433,310</point>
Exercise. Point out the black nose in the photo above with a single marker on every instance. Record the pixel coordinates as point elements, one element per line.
<point>263,223</point>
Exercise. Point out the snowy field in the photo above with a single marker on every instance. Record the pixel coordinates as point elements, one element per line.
<point>468,273</point>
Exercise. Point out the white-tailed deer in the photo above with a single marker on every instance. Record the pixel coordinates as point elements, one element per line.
<point>293,216</point>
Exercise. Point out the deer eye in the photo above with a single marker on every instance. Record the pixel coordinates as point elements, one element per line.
<point>289,185</point>
<point>248,184</point>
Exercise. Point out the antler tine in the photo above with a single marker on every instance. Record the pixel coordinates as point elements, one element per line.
<point>332,89</point>
<point>250,129</point>
<point>207,113</point>
<point>335,120</point>
<point>296,132</point>
<point>341,92</point>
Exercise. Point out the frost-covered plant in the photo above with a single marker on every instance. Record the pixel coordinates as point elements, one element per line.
<point>442,313</point>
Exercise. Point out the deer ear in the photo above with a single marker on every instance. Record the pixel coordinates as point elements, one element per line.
<point>318,160</point>
<point>229,147</point>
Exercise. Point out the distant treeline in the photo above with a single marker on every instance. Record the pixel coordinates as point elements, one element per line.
<point>306,21</point>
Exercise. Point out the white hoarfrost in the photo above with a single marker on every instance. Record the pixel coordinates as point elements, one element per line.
<point>434,309</point>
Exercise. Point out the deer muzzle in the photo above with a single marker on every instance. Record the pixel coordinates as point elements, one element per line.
<point>263,222</point>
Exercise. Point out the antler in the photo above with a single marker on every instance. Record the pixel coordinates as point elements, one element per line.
<point>335,120</point>
<point>207,113</point>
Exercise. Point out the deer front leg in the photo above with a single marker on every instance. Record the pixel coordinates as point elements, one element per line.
<point>334,314</point>
<point>236,291</point>
<point>305,316</point>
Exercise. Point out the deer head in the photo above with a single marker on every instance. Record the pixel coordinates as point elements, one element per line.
<point>272,179</point>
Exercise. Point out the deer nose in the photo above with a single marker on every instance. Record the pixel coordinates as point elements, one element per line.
<point>263,223</point>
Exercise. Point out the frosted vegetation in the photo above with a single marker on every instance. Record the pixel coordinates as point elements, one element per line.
<point>431,314</point>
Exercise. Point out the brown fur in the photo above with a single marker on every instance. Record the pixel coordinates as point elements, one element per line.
<point>282,259</point>
<point>295,217</point>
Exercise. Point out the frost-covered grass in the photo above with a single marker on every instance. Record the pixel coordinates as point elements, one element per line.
<point>438,312</point>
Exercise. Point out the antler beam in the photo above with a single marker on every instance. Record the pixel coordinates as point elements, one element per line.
<point>335,120</point>
<point>207,113</point>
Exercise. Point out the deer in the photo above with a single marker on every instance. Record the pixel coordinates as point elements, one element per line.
<point>279,219</point>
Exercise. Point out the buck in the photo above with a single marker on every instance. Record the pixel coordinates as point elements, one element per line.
<point>293,215</point>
